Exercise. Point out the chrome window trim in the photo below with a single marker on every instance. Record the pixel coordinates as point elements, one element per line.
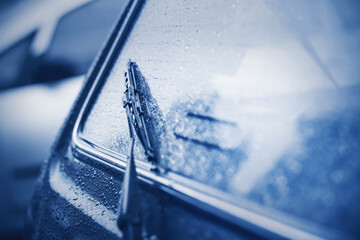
<point>211,200</point>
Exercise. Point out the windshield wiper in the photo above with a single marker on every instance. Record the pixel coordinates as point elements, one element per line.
<point>130,219</point>
<point>135,111</point>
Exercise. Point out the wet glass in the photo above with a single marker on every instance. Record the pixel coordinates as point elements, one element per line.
<point>256,98</point>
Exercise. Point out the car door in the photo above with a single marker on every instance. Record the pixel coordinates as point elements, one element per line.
<point>252,128</point>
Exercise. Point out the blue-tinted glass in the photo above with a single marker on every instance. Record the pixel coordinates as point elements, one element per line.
<point>257,98</point>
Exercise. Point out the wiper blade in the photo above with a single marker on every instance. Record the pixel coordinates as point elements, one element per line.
<point>135,111</point>
<point>129,219</point>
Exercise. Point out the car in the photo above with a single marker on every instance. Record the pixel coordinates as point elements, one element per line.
<point>47,41</point>
<point>43,62</point>
<point>212,120</point>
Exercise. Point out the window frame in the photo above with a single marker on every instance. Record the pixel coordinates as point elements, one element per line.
<point>241,213</point>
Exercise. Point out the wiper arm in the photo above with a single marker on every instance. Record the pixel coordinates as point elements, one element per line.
<point>130,219</point>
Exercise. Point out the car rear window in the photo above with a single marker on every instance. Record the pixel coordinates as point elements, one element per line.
<point>256,98</point>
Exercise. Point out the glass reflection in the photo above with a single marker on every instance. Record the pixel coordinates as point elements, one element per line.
<point>258,98</point>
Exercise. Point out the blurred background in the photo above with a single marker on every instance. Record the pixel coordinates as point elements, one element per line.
<point>46,48</point>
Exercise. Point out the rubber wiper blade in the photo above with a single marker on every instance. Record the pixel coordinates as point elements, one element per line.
<point>129,220</point>
<point>135,111</point>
